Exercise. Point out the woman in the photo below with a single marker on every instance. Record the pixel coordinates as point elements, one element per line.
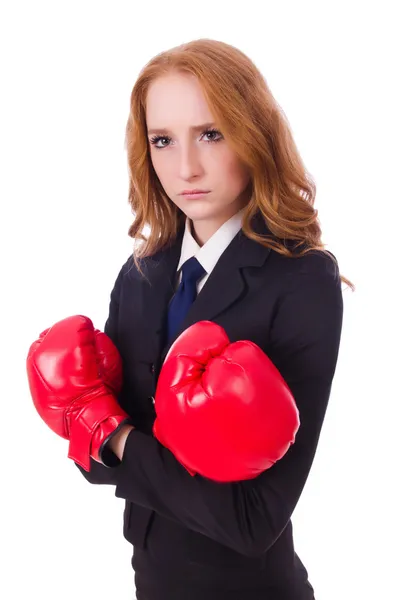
<point>202,118</point>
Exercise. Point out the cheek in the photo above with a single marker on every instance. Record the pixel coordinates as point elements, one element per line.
<point>234,172</point>
<point>160,168</point>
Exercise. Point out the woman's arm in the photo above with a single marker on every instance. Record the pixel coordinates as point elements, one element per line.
<point>248,516</point>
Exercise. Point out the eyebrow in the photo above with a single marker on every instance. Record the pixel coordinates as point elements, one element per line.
<point>163,130</point>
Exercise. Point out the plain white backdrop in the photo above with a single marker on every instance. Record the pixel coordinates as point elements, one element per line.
<point>67,70</point>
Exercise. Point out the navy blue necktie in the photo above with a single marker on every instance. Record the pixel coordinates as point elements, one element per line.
<point>185,295</point>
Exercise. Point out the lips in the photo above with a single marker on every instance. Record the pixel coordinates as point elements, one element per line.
<point>196,191</point>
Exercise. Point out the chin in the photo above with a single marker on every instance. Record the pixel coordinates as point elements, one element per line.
<point>198,209</point>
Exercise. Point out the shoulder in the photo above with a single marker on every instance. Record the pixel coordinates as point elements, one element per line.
<point>129,273</point>
<point>313,265</point>
<point>126,269</point>
<point>129,267</point>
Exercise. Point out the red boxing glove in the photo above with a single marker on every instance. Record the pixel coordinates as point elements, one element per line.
<point>223,409</point>
<point>75,374</point>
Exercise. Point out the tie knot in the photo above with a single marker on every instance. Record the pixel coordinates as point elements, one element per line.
<point>192,270</point>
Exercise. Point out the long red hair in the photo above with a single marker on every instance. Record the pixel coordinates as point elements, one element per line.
<point>254,126</point>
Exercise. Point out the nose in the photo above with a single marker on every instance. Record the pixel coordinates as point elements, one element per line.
<point>189,162</point>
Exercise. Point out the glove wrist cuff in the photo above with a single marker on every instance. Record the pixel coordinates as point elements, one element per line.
<point>92,427</point>
<point>100,447</point>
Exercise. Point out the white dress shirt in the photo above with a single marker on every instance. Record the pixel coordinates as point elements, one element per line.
<point>208,254</point>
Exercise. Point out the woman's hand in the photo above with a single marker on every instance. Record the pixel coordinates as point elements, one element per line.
<point>119,439</point>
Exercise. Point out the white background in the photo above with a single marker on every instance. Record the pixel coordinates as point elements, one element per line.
<point>67,70</point>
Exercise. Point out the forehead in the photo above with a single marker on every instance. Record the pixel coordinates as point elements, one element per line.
<point>176,101</point>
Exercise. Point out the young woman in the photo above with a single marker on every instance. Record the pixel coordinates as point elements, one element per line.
<point>217,178</point>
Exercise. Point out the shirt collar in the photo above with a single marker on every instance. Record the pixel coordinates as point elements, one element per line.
<point>209,254</point>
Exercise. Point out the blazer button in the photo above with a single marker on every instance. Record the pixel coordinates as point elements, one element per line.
<point>152,368</point>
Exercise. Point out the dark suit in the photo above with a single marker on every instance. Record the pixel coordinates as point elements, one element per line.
<point>195,538</point>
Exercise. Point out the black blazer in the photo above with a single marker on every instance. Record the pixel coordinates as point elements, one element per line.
<point>191,529</point>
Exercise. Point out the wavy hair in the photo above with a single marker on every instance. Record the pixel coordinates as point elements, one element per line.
<point>254,126</point>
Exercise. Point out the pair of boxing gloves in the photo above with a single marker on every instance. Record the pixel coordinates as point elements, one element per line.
<point>223,409</point>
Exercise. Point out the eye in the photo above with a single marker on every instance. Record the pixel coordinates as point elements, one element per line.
<point>155,139</point>
<point>209,131</point>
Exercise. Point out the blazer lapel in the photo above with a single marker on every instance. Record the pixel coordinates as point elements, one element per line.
<point>224,286</point>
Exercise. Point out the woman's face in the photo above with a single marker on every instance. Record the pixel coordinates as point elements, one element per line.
<point>186,155</point>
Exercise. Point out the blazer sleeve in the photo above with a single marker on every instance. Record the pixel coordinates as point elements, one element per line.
<point>248,516</point>
<point>99,473</point>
